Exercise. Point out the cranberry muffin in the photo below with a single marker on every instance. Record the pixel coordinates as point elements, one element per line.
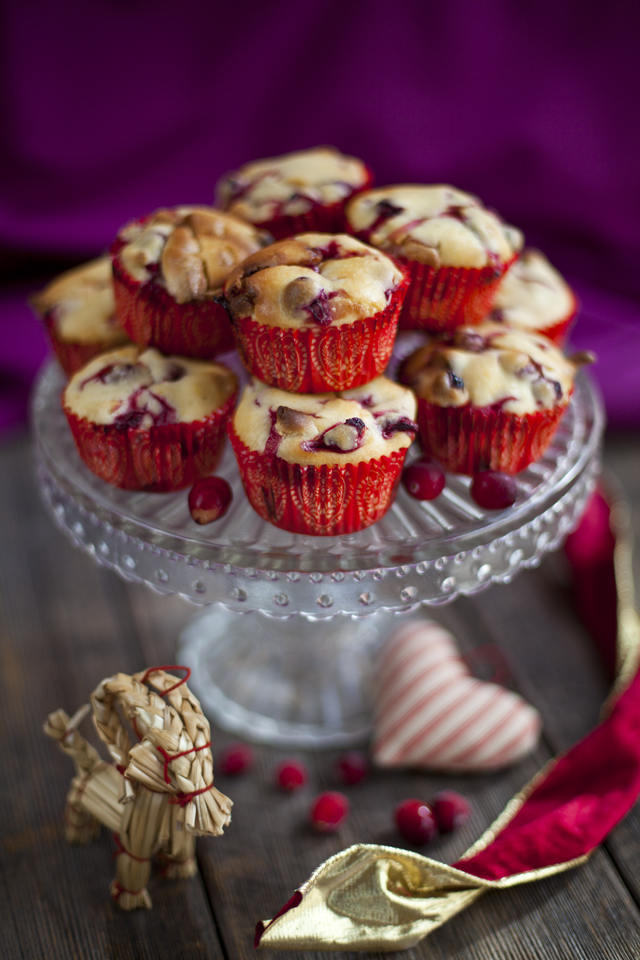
<point>489,398</point>
<point>143,421</point>
<point>534,297</point>
<point>316,312</point>
<point>301,191</point>
<point>323,464</point>
<point>455,250</point>
<point>79,314</point>
<point>169,269</point>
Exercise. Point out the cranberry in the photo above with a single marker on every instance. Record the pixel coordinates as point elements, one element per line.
<point>387,210</point>
<point>493,490</point>
<point>329,811</point>
<point>415,821</point>
<point>451,810</point>
<point>353,766</point>
<point>291,774</point>
<point>236,758</point>
<point>209,499</point>
<point>424,479</point>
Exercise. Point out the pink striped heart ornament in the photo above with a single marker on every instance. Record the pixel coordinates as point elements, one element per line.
<point>430,711</point>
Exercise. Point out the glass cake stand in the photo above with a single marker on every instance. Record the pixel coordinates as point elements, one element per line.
<point>296,667</point>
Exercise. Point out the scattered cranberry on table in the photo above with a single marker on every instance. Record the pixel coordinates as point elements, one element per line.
<point>493,490</point>
<point>424,479</point>
<point>235,759</point>
<point>353,766</point>
<point>415,821</point>
<point>291,774</point>
<point>450,810</point>
<point>329,811</point>
<point>209,499</point>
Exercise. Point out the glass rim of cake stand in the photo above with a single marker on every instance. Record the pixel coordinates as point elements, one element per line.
<point>411,534</point>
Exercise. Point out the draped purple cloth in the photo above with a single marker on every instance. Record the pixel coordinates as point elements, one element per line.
<point>112,108</point>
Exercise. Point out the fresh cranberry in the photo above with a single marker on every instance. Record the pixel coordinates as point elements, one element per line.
<point>236,758</point>
<point>451,810</point>
<point>329,811</point>
<point>424,479</point>
<point>291,774</point>
<point>415,821</point>
<point>493,490</point>
<point>209,499</point>
<point>353,766</point>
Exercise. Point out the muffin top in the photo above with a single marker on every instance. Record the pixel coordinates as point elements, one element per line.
<point>137,388</point>
<point>435,225</point>
<point>533,295</point>
<point>369,422</point>
<point>80,303</point>
<point>490,364</point>
<point>314,279</point>
<point>290,185</point>
<point>189,250</point>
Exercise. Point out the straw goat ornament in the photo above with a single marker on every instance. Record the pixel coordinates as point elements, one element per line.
<point>157,795</point>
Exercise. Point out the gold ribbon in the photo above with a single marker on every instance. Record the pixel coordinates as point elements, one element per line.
<point>378,898</point>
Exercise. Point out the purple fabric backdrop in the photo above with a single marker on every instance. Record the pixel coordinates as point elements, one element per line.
<point>113,108</point>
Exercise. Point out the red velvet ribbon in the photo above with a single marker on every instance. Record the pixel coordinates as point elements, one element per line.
<point>592,786</point>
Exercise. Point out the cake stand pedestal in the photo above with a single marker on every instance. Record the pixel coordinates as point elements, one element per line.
<point>284,652</point>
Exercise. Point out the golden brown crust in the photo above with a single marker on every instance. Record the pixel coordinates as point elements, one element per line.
<point>357,425</point>
<point>142,380</point>
<point>182,266</point>
<point>437,225</point>
<point>80,305</point>
<point>314,277</point>
<point>196,247</point>
<point>289,185</point>
<point>491,364</point>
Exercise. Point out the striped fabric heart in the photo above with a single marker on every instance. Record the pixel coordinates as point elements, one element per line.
<point>430,712</point>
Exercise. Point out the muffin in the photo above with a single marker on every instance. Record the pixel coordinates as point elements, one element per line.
<point>323,464</point>
<point>297,192</point>
<point>169,269</point>
<point>143,421</point>
<point>78,311</point>
<point>489,398</point>
<point>455,250</point>
<point>316,312</point>
<point>534,297</point>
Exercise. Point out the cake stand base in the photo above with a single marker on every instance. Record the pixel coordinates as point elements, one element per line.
<point>292,682</point>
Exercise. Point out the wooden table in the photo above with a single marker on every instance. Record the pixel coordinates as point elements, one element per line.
<point>66,624</point>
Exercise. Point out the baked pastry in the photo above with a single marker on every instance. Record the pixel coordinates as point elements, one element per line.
<point>143,421</point>
<point>322,464</point>
<point>489,398</point>
<point>534,297</point>
<point>455,250</point>
<point>300,191</point>
<point>78,311</point>
<point>316,312</point>
<point>168,270</point>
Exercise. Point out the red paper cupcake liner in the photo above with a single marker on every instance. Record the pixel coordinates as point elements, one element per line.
<point>471,439</point>
<point>319,359</point>
<point>158,460</point>
<point>448,297</point>
<point>321,218</point>
<point>73,356</point>
<point>325,501</point>
<point>151,316</point>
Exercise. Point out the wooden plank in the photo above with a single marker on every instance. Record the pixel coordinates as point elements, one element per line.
<point>69,624</point>
<point>622,459</point>
<point>65,626</point>
<point>270,848</point>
